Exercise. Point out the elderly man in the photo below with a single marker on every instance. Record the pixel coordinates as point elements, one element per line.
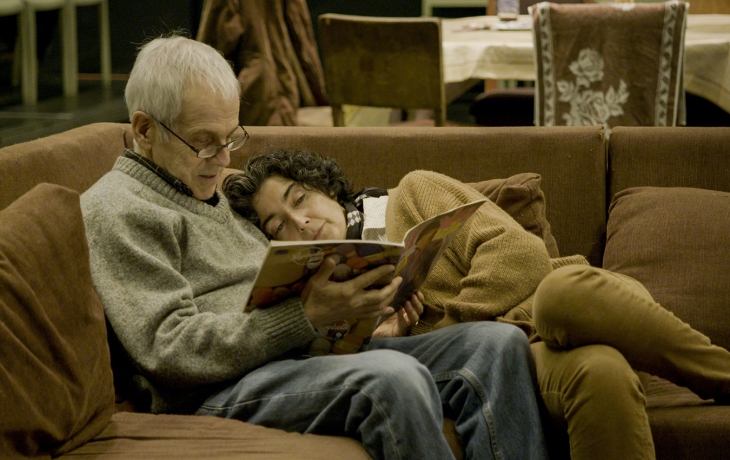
<point>173,267</point>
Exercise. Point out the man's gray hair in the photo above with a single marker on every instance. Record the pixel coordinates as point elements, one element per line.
<point>165,67</point>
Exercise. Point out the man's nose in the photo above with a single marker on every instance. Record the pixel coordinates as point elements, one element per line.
<point>222,158</point>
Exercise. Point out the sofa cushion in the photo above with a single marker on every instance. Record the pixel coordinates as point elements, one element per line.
<point>147,436</point>
<point>55,379</point>
<point>675,241</point>
<point>76,159</point>
<point>523,199</point>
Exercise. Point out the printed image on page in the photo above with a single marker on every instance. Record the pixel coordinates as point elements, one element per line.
<point>424,244</point>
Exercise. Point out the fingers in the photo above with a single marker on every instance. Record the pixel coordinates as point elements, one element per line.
<point>418,302</point>
<point>366,279</point>
<point>324,271</point>
<point>409,314</point>
<point>329,301</point>
<point>378,300</point>
<point>389,291</point>
<point>413,309</point>
<point>381,311</point>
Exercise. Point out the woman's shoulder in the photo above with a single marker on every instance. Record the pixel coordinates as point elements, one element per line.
<point>423,175</point>
<point>422,181</point>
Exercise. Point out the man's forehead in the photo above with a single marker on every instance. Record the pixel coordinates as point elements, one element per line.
<point>202,109</point>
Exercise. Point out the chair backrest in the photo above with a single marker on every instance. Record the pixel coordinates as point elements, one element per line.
<point>382,62</point>
<point>610,64</point>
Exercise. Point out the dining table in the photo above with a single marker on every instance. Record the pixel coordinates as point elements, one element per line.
<point>482,47</point>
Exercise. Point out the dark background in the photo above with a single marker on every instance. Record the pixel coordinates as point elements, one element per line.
<point>134,21</point>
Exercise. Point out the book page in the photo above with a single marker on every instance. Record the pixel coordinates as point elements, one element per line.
<point>424,244</point>
<point>288,265</point>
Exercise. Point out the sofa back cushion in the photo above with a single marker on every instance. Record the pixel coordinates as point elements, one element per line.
<point>523,199</point>
<point>75,159</point>
<point>570,160</point>
<point>675,241</point>
<point>55,374</point>
<point>652,156</point>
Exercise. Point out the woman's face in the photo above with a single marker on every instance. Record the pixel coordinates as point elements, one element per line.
<point>288,211</point>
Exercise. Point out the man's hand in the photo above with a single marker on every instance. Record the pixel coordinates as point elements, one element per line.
<point>327,302</point>
<point>401,322</point>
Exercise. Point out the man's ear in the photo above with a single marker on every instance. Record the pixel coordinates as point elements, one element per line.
<point>143,130</point>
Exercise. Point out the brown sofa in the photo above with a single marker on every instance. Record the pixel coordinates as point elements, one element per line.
<point>56,380</point>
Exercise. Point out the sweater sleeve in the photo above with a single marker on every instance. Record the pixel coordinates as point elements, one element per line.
<point>493,266</point>
<point>182,331</point>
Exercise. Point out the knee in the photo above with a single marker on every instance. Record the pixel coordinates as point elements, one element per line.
<point>602,375</point>
<point>561,292</point>
<point>501,346</point>
<point>497,337</point>
<point>393,372</point>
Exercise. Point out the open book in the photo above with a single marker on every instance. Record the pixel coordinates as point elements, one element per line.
<point>288,265</point>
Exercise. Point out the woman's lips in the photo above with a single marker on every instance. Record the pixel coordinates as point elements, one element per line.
<point>319,232</point>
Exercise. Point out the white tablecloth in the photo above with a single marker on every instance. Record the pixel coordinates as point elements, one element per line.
<point>508,55</point>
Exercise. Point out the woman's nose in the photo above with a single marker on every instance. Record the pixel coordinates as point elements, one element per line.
<point>300,221</point>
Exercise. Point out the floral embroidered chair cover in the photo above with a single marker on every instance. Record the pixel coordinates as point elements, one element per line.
<point>611,64</point>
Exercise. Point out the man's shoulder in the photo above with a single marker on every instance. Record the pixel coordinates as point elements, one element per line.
<point>112,194</point>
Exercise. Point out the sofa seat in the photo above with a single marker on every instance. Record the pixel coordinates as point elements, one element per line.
<point>146,436</point>
<point>683,425</point>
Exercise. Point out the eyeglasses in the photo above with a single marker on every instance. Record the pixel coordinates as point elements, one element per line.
<point>213,150</point>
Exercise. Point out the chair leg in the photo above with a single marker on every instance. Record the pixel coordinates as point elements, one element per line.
<point>105,42</point>
<point>69,50</point>
<point>439,117</point>
<point>18,56</point>
<point>29,71</point>
<point>338,115</point>
<point>426,8</point>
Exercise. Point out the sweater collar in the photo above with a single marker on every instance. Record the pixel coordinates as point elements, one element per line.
<point>220,212</point>
<point>176,183</point>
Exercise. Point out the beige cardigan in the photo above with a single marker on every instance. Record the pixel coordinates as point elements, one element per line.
<point>490,270</point>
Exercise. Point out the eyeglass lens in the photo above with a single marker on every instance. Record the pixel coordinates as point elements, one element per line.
<point>235,144</point>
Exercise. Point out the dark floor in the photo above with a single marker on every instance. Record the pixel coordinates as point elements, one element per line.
<point>458,110</point>
<point>54,113</point>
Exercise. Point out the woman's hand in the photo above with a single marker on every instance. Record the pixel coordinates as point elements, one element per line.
<point>401,322</point>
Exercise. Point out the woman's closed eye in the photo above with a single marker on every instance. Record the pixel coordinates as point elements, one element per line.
<point>278,230</point>
<point>298,200</point>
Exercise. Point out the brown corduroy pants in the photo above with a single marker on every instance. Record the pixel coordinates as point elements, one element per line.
<point>598,330</point>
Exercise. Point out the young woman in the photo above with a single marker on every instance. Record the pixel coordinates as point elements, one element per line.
<point>591,330</point>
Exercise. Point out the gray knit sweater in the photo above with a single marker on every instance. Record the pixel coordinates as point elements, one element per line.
<point>173,274</point>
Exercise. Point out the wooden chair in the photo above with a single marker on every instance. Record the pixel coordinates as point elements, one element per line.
<point>383,62</point>
<point>709,7</point>
<point>69,46</point>
<point>70,71</point>
<point>15,8</point>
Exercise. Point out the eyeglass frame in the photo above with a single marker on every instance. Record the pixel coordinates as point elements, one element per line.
<point>217,148</point>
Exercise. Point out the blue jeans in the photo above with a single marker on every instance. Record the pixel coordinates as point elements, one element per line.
<point>391,397</point>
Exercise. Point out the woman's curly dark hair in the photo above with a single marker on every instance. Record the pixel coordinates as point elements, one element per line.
<point>311,170</point>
